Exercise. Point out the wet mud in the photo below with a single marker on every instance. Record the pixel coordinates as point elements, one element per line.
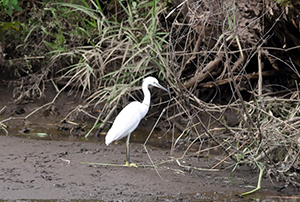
<point>45,169</point>
<point>42,159</point>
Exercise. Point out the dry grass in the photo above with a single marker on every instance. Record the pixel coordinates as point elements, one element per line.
<point>218,54</point>
<point>226,83</point>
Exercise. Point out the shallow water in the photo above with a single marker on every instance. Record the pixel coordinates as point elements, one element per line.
<point>51,168</point>
<point>159,140</point>
<point>79,149</point>
<point>50,133</point>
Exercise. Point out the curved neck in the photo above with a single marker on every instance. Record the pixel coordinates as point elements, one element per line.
<point>147,95</point>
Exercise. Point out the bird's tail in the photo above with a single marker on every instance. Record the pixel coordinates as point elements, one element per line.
<point>108,139</point>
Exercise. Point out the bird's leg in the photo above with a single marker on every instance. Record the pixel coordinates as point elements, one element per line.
<point>128,154</point>
<point>127,150</point>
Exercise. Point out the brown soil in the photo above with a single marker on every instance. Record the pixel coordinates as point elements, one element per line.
<point>37,168</point>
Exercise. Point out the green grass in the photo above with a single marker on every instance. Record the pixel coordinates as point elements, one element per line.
<point>124,46</point>
<point>101,52</point>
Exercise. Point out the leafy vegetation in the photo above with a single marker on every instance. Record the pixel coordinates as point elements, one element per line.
<point>217,59</point>
<point>8,6</point>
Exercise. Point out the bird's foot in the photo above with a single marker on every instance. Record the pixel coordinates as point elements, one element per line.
<point>130,164</point>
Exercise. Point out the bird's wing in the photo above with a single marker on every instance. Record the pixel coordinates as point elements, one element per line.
<point>126,122</point>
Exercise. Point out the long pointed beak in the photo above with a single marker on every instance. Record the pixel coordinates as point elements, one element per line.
<point>161,87</point>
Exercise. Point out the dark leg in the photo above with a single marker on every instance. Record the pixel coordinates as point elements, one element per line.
<point>127,151</point>
<point>128,163</point>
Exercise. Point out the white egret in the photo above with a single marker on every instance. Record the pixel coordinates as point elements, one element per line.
<point>129,118</point>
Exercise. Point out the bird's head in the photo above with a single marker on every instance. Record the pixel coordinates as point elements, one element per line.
<point>153,82</point>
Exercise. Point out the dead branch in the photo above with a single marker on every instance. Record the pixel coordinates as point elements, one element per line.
<point>200,75</point>
<point>250,76</point>
<point>241,60</point>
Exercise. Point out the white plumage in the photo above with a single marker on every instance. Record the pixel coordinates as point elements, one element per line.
<point>129,118</point>
<point>127,121</point>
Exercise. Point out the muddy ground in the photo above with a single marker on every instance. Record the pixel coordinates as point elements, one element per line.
<point>39,169</point>
<point>49,165</point>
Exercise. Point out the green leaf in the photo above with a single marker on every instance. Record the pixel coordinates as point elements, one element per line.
<point>18,8</point>
<point>5,2</point>
<point>9,11</point>
<point>14,2</point>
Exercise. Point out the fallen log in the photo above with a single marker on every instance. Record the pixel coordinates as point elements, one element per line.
<point>200,75</point>
<point>250,76</point>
